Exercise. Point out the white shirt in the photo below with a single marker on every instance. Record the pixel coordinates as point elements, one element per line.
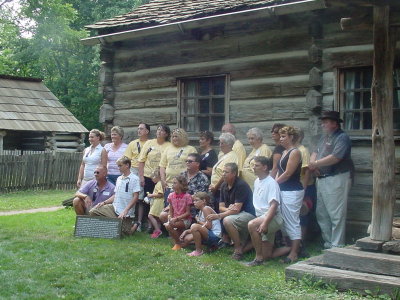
<point>91,160</point>
<point>265,191</point>
<point>124,189</point>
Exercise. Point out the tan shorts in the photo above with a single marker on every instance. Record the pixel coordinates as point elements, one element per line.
<point>273,226</point>
<point>240,221</point>
<point>108,211</point>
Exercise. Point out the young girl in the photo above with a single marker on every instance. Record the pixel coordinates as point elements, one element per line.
<point>179,217</point>
<point>203,231</point>
<point>157,205</point>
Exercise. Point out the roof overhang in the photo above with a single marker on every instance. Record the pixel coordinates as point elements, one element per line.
<point>270,11</point>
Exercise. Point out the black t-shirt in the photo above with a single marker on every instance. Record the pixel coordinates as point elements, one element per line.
<point>239,193</point>
<point>278,150</point>
<point>208,159</point>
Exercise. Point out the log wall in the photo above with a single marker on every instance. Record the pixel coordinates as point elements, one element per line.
<point>281,69</point>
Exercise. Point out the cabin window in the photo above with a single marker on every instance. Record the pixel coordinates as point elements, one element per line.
<point>355,99</point>
<point>203,103</point>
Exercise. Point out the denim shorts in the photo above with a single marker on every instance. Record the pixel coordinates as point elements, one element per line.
<point>212,239</point>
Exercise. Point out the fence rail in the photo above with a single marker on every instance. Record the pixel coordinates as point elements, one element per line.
<point>38,170</point>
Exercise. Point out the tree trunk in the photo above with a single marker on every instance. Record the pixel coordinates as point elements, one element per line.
<point>383,152</point>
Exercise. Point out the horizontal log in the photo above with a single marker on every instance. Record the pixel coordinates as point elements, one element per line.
<point>266,65</point>
<point>347,56</point>
<point>270,109</point>
<point>146,98</point>
<point>151,116</point>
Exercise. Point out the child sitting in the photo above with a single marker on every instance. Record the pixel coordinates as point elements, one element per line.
<point>156,204</point>
<point>203,231</point>
<point>179,217</point>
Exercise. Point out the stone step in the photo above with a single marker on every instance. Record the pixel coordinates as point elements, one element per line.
<point>345,279</point>
<point>351,258</point>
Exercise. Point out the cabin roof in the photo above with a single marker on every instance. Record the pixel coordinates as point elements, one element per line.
<point>27,104</point>
<point>159,12</point>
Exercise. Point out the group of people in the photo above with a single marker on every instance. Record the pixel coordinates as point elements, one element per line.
<point>225,199</point>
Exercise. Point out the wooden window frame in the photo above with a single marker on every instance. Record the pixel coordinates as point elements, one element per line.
<point>340,103</point>
<point>181,104</point>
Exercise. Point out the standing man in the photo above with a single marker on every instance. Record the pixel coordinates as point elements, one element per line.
<point>133,152</point>
<point>93,192</point>
<point>331,162</point>
<point>238,147</point>
<point>122,203</point>
<point>236,210</point>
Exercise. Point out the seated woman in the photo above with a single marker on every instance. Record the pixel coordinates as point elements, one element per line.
<point>208,155</point>
<point>202,232</point>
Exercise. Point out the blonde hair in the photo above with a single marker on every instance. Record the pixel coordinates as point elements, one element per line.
<point>183,136</point>
<point>98,133</point>
<point>203,196</point>
<point>156,173</point>
<point>124,160</point>
<point>118,130</point>
<point>290,130</point>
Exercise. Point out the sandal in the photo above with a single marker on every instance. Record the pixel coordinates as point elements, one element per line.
<point>176,247</point>
<point>287,260</point>
<point>195,253</point>
<point>237,256</point>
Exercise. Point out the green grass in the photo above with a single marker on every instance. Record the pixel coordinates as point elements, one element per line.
<point>40,259</point>
<point>33,199</point>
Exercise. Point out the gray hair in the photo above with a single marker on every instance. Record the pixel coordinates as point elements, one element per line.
<point>227,138</point>
<point>256,132</point>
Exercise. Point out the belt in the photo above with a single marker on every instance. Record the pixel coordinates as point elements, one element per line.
<point>332,174</point>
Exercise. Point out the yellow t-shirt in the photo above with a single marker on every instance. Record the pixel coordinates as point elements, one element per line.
<point>305,160</point>
<point>151,155</point>
<point>248,171</point>
<point>133,151</point>
<point>240,151</point>
<point>216,175</point>
<point>174,161</point>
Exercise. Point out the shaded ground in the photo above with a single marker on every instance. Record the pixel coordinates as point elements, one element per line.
<point>30,211</point>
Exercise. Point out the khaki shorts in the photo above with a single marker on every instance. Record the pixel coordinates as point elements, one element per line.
<point>240,221</point>
<point>108,211</point>
<point>273,226</point>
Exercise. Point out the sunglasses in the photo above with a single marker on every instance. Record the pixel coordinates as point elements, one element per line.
<point>189,161</point>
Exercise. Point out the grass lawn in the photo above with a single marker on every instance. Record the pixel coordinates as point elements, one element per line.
<point>40,259</point>
<point>33,199</point>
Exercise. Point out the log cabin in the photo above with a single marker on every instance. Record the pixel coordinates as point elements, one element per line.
<point>253,63</point>
<point>32,118</point>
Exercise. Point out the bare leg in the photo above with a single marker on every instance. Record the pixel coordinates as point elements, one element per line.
<point>175,230</point>
<point>140,211</point>
<point>294,250</point>
<point>267,249</point>
<point>154,221</point>
<point>79,206</point>
<point>280,251</point>
<point>199,233</point>
<point>256,237</point>
<point>163,217</point>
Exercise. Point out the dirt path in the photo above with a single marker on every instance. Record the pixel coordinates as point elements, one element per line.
<point>30,211</point>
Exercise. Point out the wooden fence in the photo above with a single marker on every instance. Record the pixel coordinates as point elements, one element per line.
<point>38,170</point>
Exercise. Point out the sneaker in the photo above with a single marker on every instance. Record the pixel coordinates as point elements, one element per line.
<point>139,228</point>
<point>195,253</point>
<point>254,263</point>
<point>176,247</point>
<point>156,234</point>
<point>221,244</point>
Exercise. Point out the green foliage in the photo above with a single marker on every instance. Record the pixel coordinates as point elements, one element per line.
<point>47,45</point>
<point>44,261</point>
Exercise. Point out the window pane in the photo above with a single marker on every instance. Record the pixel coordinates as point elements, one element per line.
<point>396,99</point>
<point>396,119</point>
<point>204,106</point>
<point>352,80</point>
<point>367,78</point>
<point>352,100</point>
<point>218,122</point>
<point>367,120</point>
<point>189,106</point>
<point>190,89</point>
<point>190,124</point>
<point>219,86</point>
<point>218,105</point>
<point>204,123</point>
<point>366,100</point>
<point>352,121</point>
<point>396,78</point>
<point>204,87</point>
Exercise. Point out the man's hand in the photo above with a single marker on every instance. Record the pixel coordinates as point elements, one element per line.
<point>263,228</point>
<point>212,217</point>
<point>212,188</point>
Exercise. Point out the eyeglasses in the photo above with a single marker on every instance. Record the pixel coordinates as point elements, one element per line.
<point>189,161</point>
<point>96,172</point>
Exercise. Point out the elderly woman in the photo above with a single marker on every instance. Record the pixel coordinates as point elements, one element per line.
<point>208,156</point>
<point>292,191</point>
<point>91,158</point>
<point>255,138</point>
<point>226,141</point>
<point>113,151</point>
<point>173,159</point>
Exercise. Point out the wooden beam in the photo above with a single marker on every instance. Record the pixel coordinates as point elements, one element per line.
<point>383,151</point>
<point>330,3</point>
